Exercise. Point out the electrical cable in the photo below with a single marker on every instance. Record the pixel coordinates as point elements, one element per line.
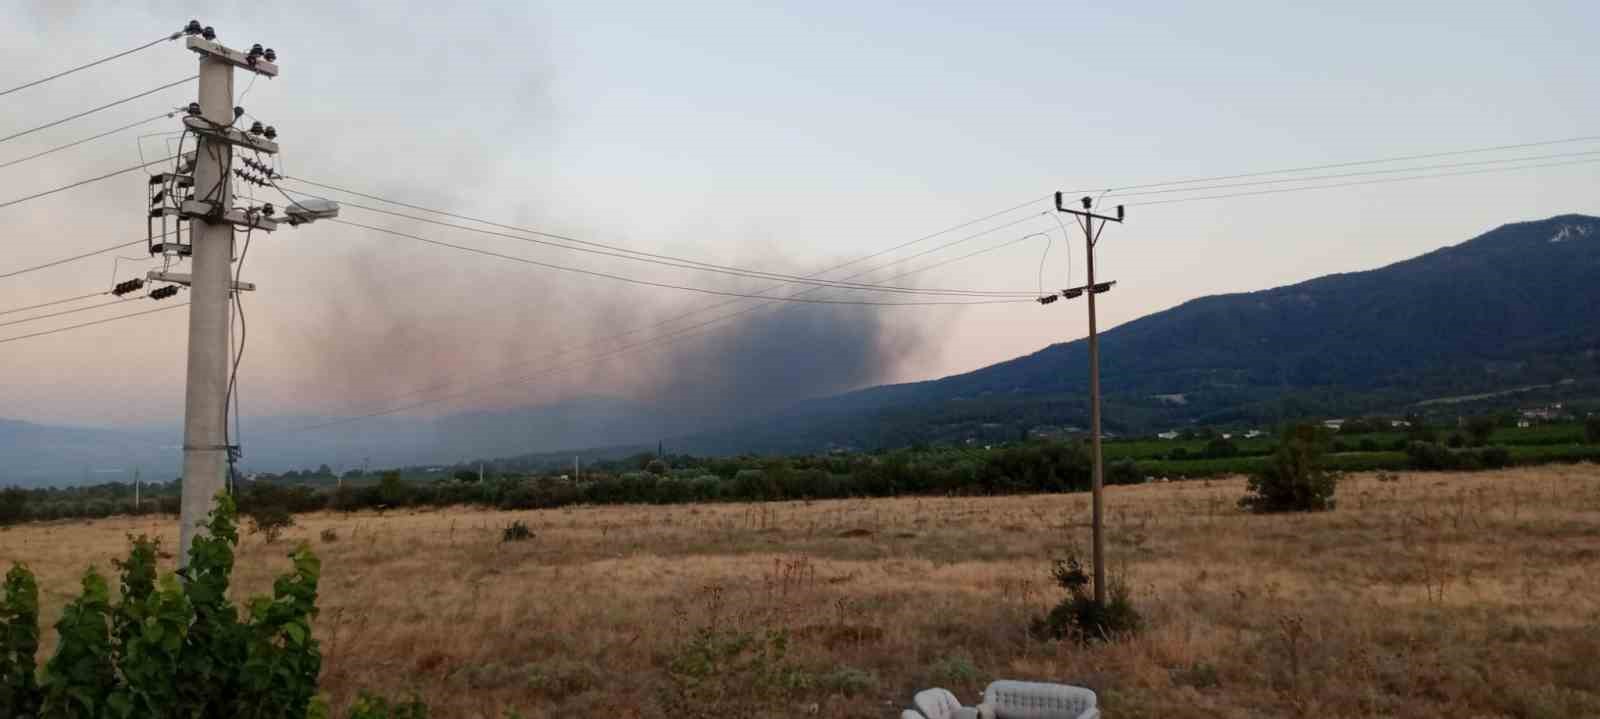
<point>651,283</point>
<point>231,398</point>
<point>106,106</point>
<point>1362,173</point>
<point>81,183</point>
<point>117,301</point>
<point>52,303</point>
<point>88,65</point>
<point>1066,239</point>
<point>73,258</point>
<point>1045,256</point>
<point>1354,163</point>
<point>91,138</point>
<point>648,257</point>
<point>1382,181</point>
<point>4,340</point>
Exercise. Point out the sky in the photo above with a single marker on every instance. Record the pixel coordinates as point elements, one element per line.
<point>787,137</point>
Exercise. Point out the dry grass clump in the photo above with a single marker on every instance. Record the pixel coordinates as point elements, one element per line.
<point>1436,595</point>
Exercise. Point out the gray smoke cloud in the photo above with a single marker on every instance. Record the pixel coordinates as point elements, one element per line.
<point>770,359</point>
<point>386,339</point>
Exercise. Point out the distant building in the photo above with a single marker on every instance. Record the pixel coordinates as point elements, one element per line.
<point>1399,423</point>
<point>1254,433</point>
<point>1170,434</point>
<point>1550,413</point>
<point>1333,423</point>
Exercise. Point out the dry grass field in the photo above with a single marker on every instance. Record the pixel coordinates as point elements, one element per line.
<point>1437,595</point>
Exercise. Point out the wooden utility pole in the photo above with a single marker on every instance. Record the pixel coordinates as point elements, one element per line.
<point>1086,220</point>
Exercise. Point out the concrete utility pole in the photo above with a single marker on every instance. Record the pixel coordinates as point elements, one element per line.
<point>205,445</point>
<point>1091,236</point>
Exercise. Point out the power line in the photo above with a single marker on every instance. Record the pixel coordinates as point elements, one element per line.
<point>1353,163</point>
<point>666,285</point>
<point>95,322</point>
<point>1362,173</point>
<point>88,65</point>
<point>71,311</point>
<point>653,258</point>
<point>1366,182</point>
<point>106,106</point>
<point>73,258</point>
<point>91,138</point>
<point>81,183</point>
<point>52,303</point>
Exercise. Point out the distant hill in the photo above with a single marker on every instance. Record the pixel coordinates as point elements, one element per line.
<point>1515,307</point>
<point>36,455</point>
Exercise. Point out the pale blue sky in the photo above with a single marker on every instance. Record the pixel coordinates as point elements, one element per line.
<point>778,135</point>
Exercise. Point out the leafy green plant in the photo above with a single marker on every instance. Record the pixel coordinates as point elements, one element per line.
<point>1294,480</point>
<point>167,649</point>
<point>19,644</point>
<point>82,674</point>
<point>723,672</point>
<point>370,706</point>
<point>1591,429</point>
<point>270,520</point>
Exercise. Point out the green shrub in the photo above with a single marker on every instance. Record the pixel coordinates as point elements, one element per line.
<point>722,672</point>
<point>846,680</point>
<point>81,676</point>
<point>1123,471</point>
<point>516,532</point>
<point>1294,480</point>
<point>13,505</point>
<point>270,520</point>
<point>168,649</point>
<point>368,706</point>
<point>1079,617</point>
<point>19,644</point>
<point>955,669</point>
<point>1591,429</point>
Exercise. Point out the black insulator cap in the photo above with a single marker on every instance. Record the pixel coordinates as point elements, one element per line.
<point>270,131</point>
<point>267,209</point>
<point>255,128</point>
<point>193,28</point>
<point>194,109</point>
<point>210,33</point>
<point>256,49</point>
<point>270,55</point>
<point>238,112</point>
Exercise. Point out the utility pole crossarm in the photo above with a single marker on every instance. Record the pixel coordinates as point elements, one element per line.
<point>245,61</point>
<point>230,135</point>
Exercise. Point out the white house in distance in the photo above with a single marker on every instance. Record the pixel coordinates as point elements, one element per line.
<point>1169,434</point>
<point>1333,424</point>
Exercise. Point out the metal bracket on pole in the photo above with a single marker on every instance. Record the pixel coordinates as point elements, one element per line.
<point>183,278</point>
<point>230,135</point>
<point>231,56</point>
<point>195,209</point>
